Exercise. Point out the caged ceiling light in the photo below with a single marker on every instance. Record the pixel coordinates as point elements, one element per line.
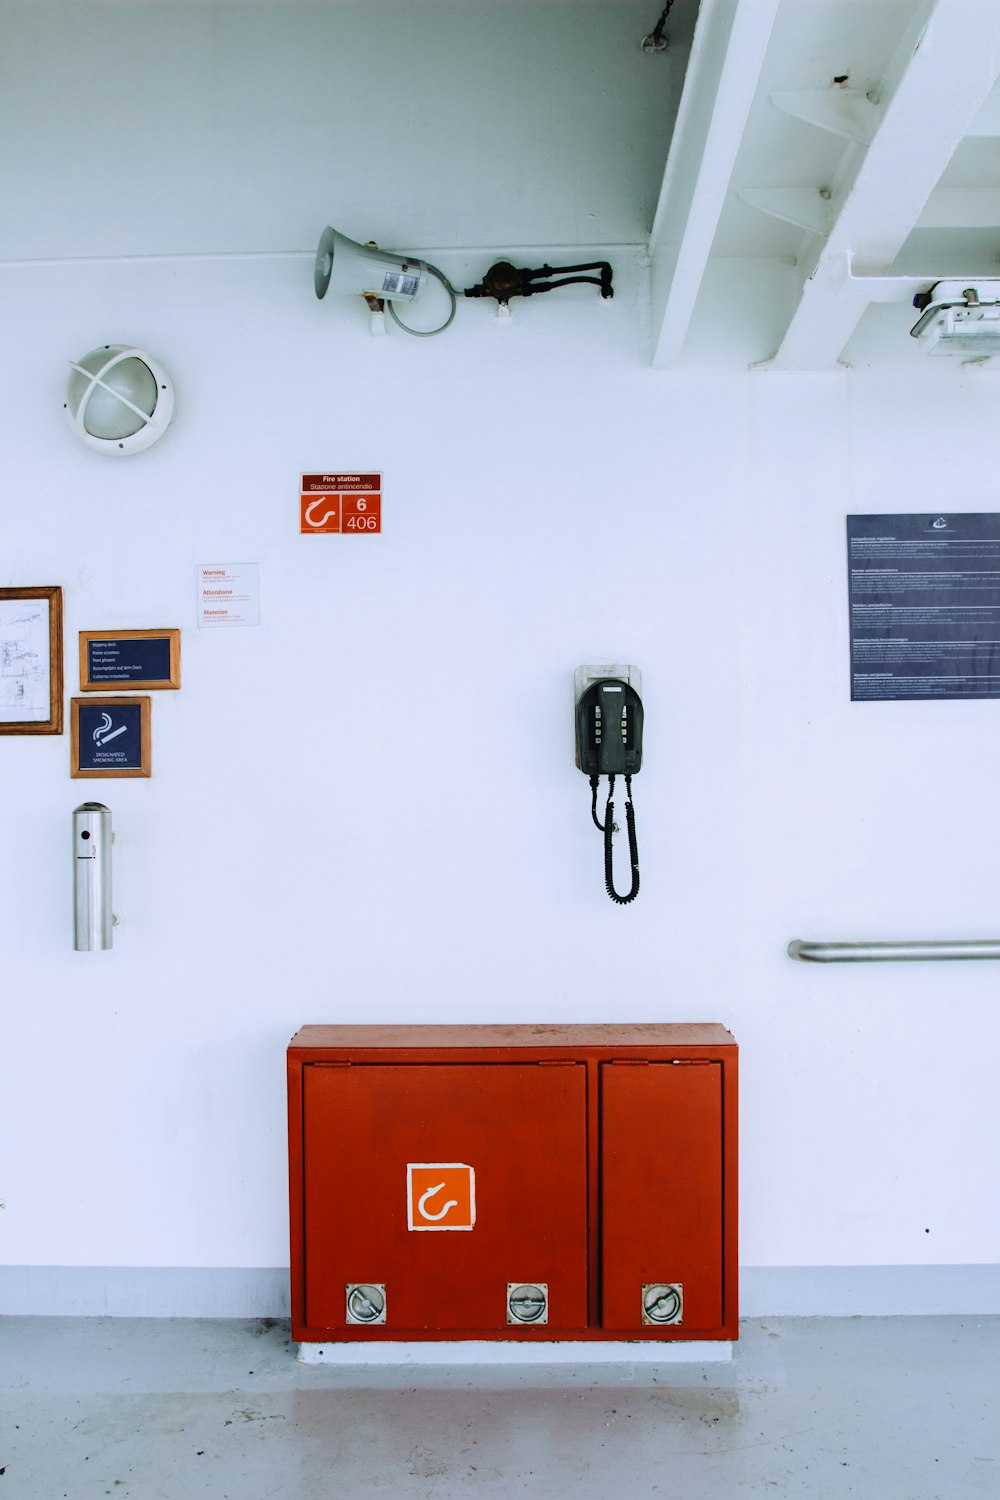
<point>119,400</point>
<point>959,317</point>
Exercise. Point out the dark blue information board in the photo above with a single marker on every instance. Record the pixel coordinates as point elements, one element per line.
<point>134,660</point>
<point>111,736</point>
<point>925,606</point>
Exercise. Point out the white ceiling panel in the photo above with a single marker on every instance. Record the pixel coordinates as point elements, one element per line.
<point>168,127</point>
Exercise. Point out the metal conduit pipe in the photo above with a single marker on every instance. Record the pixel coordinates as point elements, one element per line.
<point>899,952</point>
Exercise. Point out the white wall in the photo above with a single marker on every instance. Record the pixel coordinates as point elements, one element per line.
<point>367,807</point>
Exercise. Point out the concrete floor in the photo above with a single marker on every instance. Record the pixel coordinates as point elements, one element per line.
<point>136,1409</point>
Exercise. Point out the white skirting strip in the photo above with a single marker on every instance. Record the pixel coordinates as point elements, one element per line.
<point>144,1291</point>
<point>488,1352</point>
<point>869,1291</point>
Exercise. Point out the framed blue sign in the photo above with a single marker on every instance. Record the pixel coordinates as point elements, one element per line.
<point>111,737</point>
<point>129,659</point>
<point>925,606</point>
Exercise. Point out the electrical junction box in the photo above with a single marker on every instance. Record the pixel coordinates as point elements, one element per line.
<point>513,1182</point>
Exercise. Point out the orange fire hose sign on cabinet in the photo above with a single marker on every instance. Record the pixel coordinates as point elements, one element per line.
<point>440,1195</point>
<point>340,505</point>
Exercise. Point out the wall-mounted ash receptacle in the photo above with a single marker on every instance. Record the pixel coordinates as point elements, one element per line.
<point>93,919</point>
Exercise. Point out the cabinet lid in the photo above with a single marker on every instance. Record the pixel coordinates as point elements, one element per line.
<point>641,1034</point>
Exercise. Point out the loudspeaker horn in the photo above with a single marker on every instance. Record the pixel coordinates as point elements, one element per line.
<point>344,266</point>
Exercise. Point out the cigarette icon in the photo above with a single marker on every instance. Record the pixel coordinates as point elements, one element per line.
<point>101,735</point>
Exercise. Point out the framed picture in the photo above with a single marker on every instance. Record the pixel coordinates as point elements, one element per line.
<point>110,737</point>
<point>129,659</point>
<point>31,661</point>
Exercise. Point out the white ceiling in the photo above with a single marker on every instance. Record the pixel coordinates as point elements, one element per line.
<point>831,157</point>
<point>194,127</point>
<point>798,167</point>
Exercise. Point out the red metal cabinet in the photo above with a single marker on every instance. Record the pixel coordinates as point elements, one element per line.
<point>662,1212</point>
<point>519,1127</point>
<point>523,1182</point>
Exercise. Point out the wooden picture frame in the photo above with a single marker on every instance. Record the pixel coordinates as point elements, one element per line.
<point>111,736</point>
<point>31,660</point>
<point>152,662</point>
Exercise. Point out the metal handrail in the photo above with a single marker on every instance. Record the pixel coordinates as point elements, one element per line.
<point>855,953</point>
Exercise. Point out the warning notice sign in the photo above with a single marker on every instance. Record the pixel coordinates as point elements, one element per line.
<point>340,505</point>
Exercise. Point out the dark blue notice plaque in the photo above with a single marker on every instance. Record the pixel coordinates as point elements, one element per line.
<point>129,659</point>
<point>925,606</point>
<point>110,737</point>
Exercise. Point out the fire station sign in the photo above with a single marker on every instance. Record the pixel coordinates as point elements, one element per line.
<point>340,505</point>
<point>440,1195</point>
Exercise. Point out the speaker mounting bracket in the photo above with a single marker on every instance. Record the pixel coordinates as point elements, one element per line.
<point>376,306</point>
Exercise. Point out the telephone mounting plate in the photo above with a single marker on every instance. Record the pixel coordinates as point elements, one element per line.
<point>584,676</point>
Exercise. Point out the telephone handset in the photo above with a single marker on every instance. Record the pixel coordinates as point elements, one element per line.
<point>609,729</point>
<point>609,720</point>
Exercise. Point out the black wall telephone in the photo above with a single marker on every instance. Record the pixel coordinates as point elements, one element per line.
<point>609,743</point>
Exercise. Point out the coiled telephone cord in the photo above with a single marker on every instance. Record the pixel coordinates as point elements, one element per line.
<point>633,848</point>
<point>593,801</point>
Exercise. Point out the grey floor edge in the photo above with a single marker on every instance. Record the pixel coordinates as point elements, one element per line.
<point>894,1408</point>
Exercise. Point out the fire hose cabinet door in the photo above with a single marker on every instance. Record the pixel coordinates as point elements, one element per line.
<point>663,1207</point>
<point>444,1198</point>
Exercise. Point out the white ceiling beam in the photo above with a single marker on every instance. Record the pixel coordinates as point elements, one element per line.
<point>987,122</point>
<point>942,73</point>
<point>730,42</point>
<point>961,208</point>
<point>870,286</point>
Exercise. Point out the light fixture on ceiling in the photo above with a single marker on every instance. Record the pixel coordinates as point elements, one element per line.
<point>382,277</point>
<point>959,317</point>
<point>119,400</point>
